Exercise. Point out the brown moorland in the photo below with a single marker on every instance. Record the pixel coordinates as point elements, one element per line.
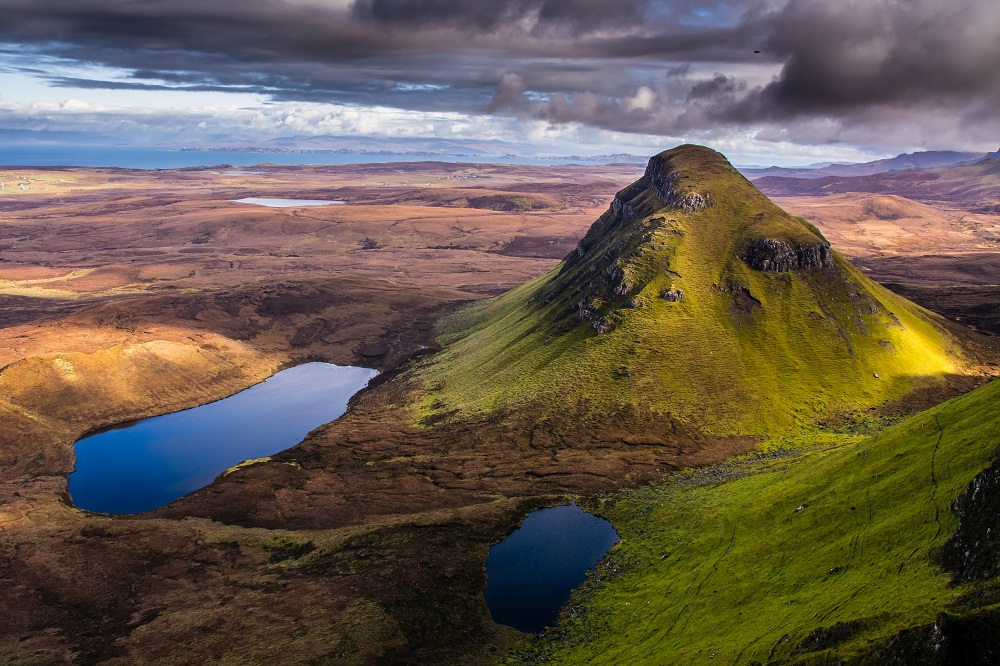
<point>932,236</point>
<point>125,294</point>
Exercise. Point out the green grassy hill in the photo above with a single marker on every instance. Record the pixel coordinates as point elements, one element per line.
<point>827,557</point>
<point>693,298</point>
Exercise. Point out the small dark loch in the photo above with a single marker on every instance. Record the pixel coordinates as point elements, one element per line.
<point>531,573</point>
<point>149,463</point>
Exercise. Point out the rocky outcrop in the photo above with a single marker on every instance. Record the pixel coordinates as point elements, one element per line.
<point>951,640</point>
<point>609,263</point>
<point>825,638</point>
<point>973,553</point>
<point>622,209</point>
<point>672,295</point>
<point>780,256</point>
<point>663,179</point>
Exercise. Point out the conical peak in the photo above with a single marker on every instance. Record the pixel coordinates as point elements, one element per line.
<point>690,156</point>
<point>690,199</point>
<point>688,178</point>
<point>693,177</point>
<point>680,175</point>
<point>690,160</point>
<point>735,315</point>
<point>685,181</point>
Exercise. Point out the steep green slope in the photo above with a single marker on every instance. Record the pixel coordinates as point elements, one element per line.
<point>697,299</point>
<point>820,559</point>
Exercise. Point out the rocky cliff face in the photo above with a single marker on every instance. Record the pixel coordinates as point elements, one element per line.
<point>664,180</point>
<point>973,553</point>
<point>611,264</point>
<point>771,254</point>
<point>607,261</point>
<point>611,260</point>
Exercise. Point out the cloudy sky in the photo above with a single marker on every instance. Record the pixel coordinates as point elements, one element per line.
<point>766,81</point>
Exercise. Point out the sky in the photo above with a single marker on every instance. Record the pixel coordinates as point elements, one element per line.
<point>764,81</point>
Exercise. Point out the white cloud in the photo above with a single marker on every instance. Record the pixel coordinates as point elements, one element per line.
<point>643,100</point>
<point>199,124</point>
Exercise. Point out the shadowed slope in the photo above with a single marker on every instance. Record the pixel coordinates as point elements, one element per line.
<point>972,187</point>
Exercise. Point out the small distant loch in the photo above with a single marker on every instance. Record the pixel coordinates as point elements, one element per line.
<point>146,464</point>
<point>531,573</point>
<point>287,203</point>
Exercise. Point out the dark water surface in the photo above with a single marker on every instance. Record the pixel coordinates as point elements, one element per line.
<point>531,573</point>
<point>149,463</point>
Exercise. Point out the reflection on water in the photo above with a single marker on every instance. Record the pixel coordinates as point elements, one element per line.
<point>287,203</point>
<point>152,462</point>
<point>531,573</point>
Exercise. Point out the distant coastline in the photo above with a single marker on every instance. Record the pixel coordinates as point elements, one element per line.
<point>170,157</point>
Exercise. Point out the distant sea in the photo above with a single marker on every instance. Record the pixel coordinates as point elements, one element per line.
<point>137,157</point>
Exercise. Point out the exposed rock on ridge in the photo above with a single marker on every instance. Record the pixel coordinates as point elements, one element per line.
<point>672,295</point>
<point>664,181</point>
<point>771,254</point>
<point>609,265</point>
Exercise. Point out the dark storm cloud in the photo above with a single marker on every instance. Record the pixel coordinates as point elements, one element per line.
<point>91,84</point>
<point>852,55</point>
<point>509,94</point>
<point>111,31</point>
<point>857,63</point>
<point>580,15</point>
<point>718,86</point>
<point>373,52</point>
<point>652,66</point>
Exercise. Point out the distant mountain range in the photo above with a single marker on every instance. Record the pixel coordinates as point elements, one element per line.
<point>430,148</point>
<point>920,161</point>
<point>471,148</point>
<point>972,186</point>
<point>616,158</point>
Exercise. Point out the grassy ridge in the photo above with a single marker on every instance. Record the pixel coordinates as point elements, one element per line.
<point>744,351</point>
<point>745,570</point>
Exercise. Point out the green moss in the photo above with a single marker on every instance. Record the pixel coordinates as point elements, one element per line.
<point>746,569</point>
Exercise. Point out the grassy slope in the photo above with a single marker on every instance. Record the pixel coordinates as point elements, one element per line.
<point>811,350</point>
<point>735,571</point>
